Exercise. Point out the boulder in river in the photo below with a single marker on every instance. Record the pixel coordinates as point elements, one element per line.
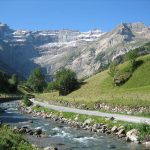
<point>38,131</point>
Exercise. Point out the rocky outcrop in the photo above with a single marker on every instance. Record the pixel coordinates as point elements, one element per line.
<point>84,52</point>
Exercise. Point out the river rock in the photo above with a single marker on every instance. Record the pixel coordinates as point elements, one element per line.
<point>50,148</point>
<point>104,126</point>
<point>97,126</point>
<point>76,118</point>
<point>29,111</point>
<point>108,132</point>
<point>88,121</point>
<point>121,127</point>
<point>29,131</point>
<point>121,135</point>
<point>114,129</point>
<point>38,131</point>
<point>30,121</point>
<point>102,130</point>
<point>121,131</point>
<point>16,129</point>
<point>133,135</point>
<point>25,127</point>
<point>147,144</point>
<point>22,130</point>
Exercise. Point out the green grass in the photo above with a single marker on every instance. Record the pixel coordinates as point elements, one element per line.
<point>12,141</point>
<point>100,88</point>
<point>144,129</point>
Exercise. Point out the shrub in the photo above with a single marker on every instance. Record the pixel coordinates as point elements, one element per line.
<point>26,101</point>
<point>12,141</point>
<point>121,77</point>
<point>52,86</point>
<point>131,56</point>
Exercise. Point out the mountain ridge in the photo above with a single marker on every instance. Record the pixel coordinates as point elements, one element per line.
<point>84,52</point>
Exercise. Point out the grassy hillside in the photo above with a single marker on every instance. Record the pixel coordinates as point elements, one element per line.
<point>100,88</point>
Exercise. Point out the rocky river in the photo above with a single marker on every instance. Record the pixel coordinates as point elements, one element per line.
<point>61,135</point>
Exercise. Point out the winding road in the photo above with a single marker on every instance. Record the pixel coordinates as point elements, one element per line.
<point>121,117</point>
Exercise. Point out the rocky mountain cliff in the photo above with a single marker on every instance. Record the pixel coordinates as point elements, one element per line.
<point>84,52</point>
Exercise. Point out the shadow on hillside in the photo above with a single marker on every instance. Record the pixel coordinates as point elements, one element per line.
<point>138,63</point>
<point>81,83</point>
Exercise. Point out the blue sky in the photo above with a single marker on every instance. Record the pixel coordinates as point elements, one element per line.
<point>80,15</point>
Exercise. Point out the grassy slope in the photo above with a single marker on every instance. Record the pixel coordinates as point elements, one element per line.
<point>136,91</point>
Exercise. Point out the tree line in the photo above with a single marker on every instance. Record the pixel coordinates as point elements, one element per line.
<point>65,81</point>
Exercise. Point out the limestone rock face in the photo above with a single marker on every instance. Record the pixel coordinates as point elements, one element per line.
<point>84,52</point>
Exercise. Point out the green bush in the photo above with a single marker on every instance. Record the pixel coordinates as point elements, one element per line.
<point>131,56</point>
<point>121,77</point>
<point>12,141</point>
<point>112,69</point>
<point>52,86</point>
<point>26,101</point>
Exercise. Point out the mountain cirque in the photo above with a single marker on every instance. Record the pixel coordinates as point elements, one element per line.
<point>84,52</point>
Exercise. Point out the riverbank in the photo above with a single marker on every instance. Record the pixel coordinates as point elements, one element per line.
<point>61,135</point>
<point>137,133</point>
<point>15,134</point>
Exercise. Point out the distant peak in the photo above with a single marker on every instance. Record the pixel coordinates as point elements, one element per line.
<point>96,30</point>
<point>133,25</point>
<point>130,27</point>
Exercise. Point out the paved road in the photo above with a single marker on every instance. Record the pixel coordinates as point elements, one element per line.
<point>94,113</point>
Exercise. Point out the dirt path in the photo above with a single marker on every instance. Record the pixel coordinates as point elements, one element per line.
<point>121,117</point>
